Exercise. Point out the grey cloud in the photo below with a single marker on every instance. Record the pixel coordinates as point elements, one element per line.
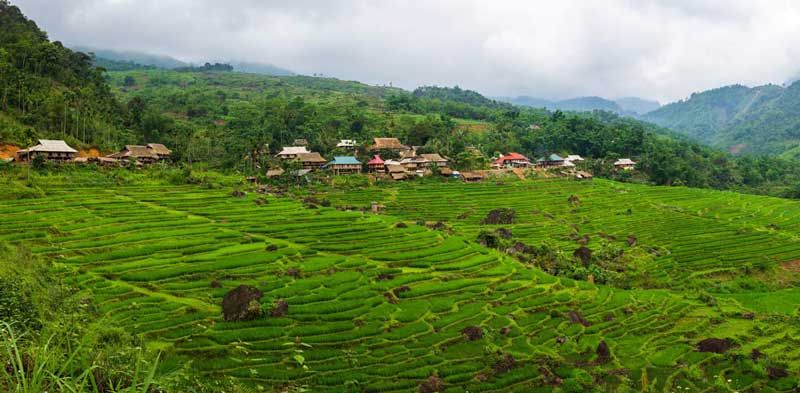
<point>662,49</point>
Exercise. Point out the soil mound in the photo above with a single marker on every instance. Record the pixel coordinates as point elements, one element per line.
<point>242,304</point>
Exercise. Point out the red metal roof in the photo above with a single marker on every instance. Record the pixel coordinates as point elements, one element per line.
<point>376,160</point>
<point>511,157</point>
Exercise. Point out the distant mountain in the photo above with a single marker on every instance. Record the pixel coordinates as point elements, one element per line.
<point>259,68</point>
<point>114,60</point>
<point>632,106</point>
<point>763,119</point>
<point>637,105</point>
<point>136,58</point>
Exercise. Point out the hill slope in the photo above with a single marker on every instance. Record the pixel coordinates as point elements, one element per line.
<point>760,120</point>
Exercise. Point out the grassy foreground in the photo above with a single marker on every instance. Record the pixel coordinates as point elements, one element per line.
<point>380,303</point>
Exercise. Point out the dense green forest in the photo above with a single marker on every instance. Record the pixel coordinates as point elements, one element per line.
<point>236,121</point>
<point>761,120</point>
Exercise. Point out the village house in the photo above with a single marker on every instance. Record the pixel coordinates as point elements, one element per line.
<point>624,164</point>
<point>376,164</point>
<point>344,164</point>
<point>396,172</point>
<point>311,161</point>
<point>574,158</point>
<point>472,177</point>
<point>102,161</point>
<point>51,150</point>
<point>392,144</point>
<point>300,142</point>
<point>511,160</point>
<point>553,160</point>
<point>138,153</point>
<point>436,160</point>
<point>291,152</point>
<point>347,144</point>
<point>414,163</point>
<point>160,150</point>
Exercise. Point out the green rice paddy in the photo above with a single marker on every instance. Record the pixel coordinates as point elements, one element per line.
<point>380,307</point>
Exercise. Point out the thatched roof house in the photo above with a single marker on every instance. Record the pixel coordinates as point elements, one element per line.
<point>624,163</point>
<point>160,150</point>
<point>137,153</point>
<point>300,142</point>
<point>435,160</point>
<point>388,144</point>
<point>311,160</point>
<point>291,152</point>
<point>396,171</point>
<point>50,149</point>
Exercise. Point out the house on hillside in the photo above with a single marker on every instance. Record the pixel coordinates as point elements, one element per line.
<point>574,158</point>
<point>434,159</point>
<point>344,164</point>
<point>300,142</point>
<point>414,163</point>
<point>551,161</point>
<point>312,161</point>
<point>291,152</point>
<point>49,149</point>
<point>376,164</point>
<point>101,161</point>
<point>396,171</point>
<point>472,177</point>
<point>160,150</point>
<point>137,153</point>
<point>348,144</point>
<point>511,160</point>
<point>624,164</point>
<point>392,144</point>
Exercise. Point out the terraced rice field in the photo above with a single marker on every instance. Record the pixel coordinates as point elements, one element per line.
<point>685,238</point>
<point>381,307</point>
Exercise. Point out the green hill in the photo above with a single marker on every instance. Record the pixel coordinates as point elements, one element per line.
<point>49,90</point>
<point>741,119</point>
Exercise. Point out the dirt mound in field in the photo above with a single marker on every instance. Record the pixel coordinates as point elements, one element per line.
<point>433,384</point>
<point>777,372</point>
<point>603,353</point>
<point>280,309</point>
<point>716,345</point>
<point>504,365</point>
<point>500,216</point>
<point>575,317</point>
<point>242,303</point>
<point>472,333</point>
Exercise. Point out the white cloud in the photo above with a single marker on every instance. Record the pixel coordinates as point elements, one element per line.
<point>663,49</point>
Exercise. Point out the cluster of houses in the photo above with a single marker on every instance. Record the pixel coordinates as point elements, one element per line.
<point>409,163</point>
<point>60,151</point>
<point>516,160</point>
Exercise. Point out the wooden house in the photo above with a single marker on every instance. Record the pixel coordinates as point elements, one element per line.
<point>300,142</point>
<point>160,150</point>
<point>396,171</point>
<point>274,173</point>
<point>136,153</point>
<point>414,163</point>
<point>344,164</point>
<point>624,164</point>
<point>574,158</point>
<point>472,177</point>
<point>51,150</point>
<point>551,161</point>
<point>392,144</point>
<point>291,152</point>
<point>348,144</point>
<point>434,159</point>
<point>376,164</point>
<point>312,161</point>
<point>512,160</point>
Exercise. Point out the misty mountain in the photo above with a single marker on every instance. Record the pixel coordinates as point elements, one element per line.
<point>259,68</point>
<point>631,106</point>
<point>136,58</point>
<point>637,105</point>
<point>763,119</point>
<point>127,60</point>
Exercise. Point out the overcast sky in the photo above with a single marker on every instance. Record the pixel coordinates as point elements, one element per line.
<point>659,49</point>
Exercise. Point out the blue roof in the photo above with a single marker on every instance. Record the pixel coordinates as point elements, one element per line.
<point>344,160</point>
<point>555,157</point>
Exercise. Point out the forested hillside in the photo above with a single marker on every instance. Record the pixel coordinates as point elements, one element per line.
<point>49,90</point>
<point>632,106</point>
<point>762,120</point>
